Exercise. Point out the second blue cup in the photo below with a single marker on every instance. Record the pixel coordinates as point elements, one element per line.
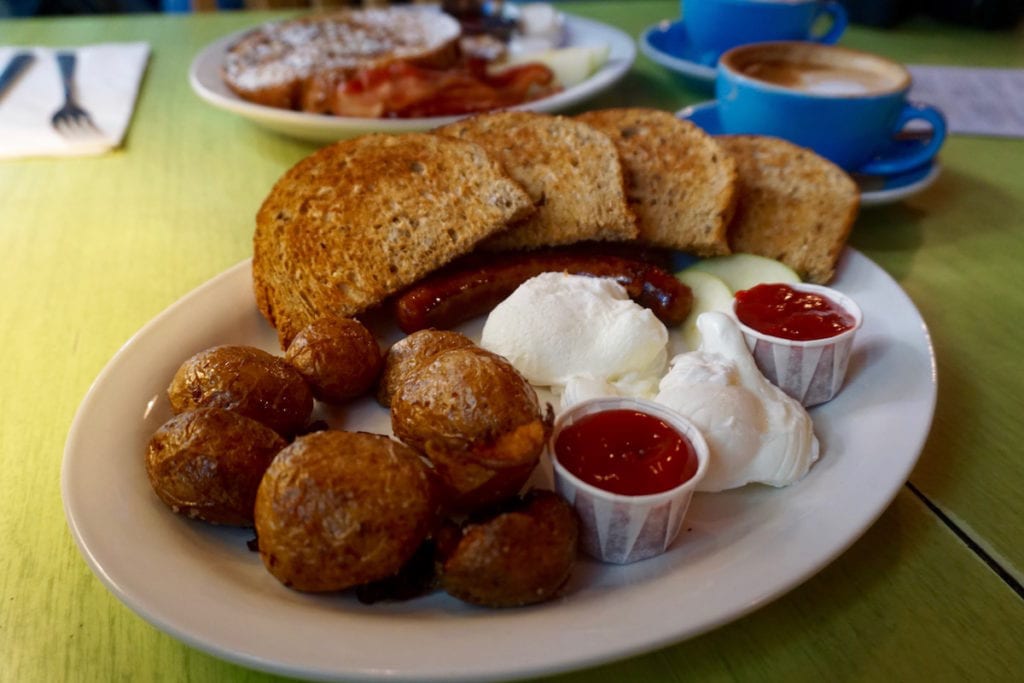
<point>714,26</point>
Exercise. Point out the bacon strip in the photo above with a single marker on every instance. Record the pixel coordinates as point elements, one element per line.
<point>399,89</point>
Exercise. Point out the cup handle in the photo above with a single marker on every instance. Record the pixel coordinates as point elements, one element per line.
<point>704,115</point>
<point>839,21</point>
<point>904,157</point>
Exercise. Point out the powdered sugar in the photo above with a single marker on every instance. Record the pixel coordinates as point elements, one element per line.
<point>278,53</point>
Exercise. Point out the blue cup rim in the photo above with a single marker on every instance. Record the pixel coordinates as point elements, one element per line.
<point>725,67</point>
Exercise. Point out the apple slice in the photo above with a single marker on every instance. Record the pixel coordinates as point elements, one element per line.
<point>743,271</point>
<point>571,65</point>
<point>710,293</point>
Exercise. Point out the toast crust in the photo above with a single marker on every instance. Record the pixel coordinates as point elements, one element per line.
<point>680,184</point>
<point>794,206</point>
<point>571,171</point>
<point>361,219</point>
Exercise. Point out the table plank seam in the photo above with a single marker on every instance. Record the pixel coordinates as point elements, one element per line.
<point>973,546</point>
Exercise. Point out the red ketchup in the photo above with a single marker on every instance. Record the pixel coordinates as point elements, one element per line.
<point>626,452</point>
<point>781,311</point>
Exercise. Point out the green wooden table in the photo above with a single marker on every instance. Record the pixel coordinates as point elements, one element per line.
<point>93,248</point>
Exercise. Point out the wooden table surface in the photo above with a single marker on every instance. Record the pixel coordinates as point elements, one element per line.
<point>93,248</point>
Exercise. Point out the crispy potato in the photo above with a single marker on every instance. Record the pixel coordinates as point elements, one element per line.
<point>245,380</point>
<point>409,353</point>
<point>519,557</point>
<point>338,358</point>
<point>340,509</point>
<point>207,464</point>
<point>477,421</point>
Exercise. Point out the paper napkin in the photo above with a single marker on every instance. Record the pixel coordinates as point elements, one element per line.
<point>107,78</point>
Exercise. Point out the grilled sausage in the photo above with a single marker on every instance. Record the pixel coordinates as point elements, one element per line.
<point>454,296</point>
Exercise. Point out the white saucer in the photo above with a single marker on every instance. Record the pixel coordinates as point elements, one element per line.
<point>667,44</point>
<point>881,190</point>
<point>874,190</point>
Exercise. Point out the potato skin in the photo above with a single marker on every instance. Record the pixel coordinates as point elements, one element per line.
<point>516,558</point>
<point>207,464</point>
<point>409,353</point>
<point>462,397</point>
<point>339,509</point>
<point>245,380</point>
<point>477,421</point>
<point>338,358</point>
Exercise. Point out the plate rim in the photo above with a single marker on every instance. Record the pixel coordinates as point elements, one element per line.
<point>894,479</point>
<point>283,120</point>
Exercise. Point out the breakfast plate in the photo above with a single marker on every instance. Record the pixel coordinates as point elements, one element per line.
<point>738,551</point>
<point>874,190</point>
<point>206,81</point>
<point>667,45</point>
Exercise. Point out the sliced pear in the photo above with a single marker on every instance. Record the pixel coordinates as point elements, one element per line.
<point>710,293</point>
<point>743,271</point>
<point>571,65</point>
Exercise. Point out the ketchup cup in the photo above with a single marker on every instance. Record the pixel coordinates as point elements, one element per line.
<point>622,528</point>
<point>811,371</point>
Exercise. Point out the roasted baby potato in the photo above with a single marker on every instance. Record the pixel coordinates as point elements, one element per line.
<point>340,509</point>
<point>207,464</point>
<point>338,358</point>
<point>477,421</point>
<point>411,352</point>
<point>519,557</point>
<point>245,380</point>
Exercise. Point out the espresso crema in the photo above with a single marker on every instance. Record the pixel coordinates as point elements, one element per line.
<point>821,79</point>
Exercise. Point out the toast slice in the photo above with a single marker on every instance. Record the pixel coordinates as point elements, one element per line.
<point>794,206</point>
<point>570,170</point>
<point>359,220</point>
<point>680,184</point>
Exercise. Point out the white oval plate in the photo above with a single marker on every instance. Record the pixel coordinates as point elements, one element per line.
<point>738,550</point>
<point>205,78</point>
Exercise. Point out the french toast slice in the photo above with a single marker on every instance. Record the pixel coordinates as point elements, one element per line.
<point>278,62</point>
<point>680,184</point>
<point>360,219</point>
<point>794,205</point>
<point>570,170</point>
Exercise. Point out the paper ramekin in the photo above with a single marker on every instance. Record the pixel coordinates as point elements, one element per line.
<point>619,528</point>
<point>810,371</point>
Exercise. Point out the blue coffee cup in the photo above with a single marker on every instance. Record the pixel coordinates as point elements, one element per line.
<point>714,26</point>
<point>847,105</point>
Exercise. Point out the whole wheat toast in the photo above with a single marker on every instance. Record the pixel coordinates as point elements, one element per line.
<point>570,170</point>
<point>794,206</point>
<point>680,184</point>
<point>359,220</point>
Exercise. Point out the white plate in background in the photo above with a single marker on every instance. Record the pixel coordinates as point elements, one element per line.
<point>205,78</point>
